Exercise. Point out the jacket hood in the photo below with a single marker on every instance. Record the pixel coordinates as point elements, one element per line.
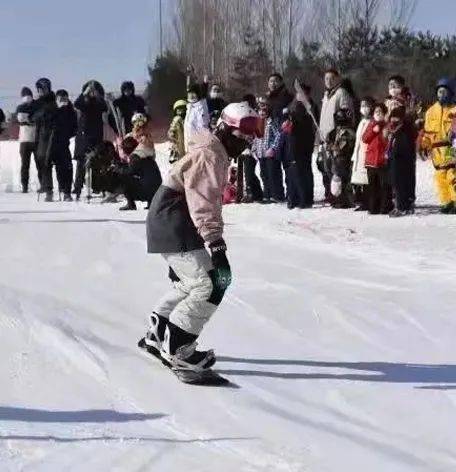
<point>127,85</point>
<point>97,85</point>
<point>202,139</point>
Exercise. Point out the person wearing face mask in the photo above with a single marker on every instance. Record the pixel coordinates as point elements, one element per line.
<point>197,116</point>
<point>44,118</point>
<point>176,131</point>
<point>65,128</point>
<point>359,177</point>
<point>374,138</point>
<point>396,93</point>
<point>215,101</point>
<point>436,144</point>
<point>278,96</point>
<point>401,154</point>
<point>184,218</point>
<point>128,104</point>
<point>336,97</point>
<point>92,111</point>
<point>27,137</point>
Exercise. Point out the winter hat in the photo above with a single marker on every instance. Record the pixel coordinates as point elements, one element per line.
<point>61,93</point>
<point>128,145</point>
<point>127,85</point>
<point>446,83</point>
<point>26,92</point>
<point>43,84</point>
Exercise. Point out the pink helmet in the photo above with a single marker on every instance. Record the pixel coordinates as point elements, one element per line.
<point>241,117</point>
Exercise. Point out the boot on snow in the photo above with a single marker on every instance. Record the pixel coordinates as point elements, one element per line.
<point>131,205</point>
<point>67,197</point>
<point>49,197</point>
<point>156,332</point>
<point>448,209</point>
<point>179,350</point>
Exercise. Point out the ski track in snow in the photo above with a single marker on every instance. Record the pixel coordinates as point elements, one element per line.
<point>338,332</point>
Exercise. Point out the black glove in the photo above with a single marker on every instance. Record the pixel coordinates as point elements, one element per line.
<point>222,269</point>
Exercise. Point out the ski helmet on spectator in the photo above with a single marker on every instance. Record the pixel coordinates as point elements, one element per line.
<point>179,104</point>
<point>241,117</point>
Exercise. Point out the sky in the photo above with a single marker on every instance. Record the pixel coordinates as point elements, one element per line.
<point>72,41</point>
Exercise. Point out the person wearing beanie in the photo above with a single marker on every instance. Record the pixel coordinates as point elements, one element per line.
<point>27,137</point>
<point>197,116</point>
<point>278,96</point>
<point>176,131</point>
<point>64,129</point>
<point>128,104</point>
<point>44,117</point>
<point>92,110</point>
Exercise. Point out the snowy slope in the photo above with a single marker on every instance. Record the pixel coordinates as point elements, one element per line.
<point>338,331</point>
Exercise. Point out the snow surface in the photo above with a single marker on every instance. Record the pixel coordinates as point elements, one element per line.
<point>338,331</point>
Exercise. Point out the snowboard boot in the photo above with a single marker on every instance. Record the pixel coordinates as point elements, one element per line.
<point>67,197</point>
<point>448,208</point>
<point>156,332</point>
<point>49,197</point>
<point>179,349</point>
<point>131,205</point>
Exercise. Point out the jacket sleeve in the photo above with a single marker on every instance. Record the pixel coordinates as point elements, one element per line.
<point>80,103</point>
<point>275,136</point>
<point>204,182</point>
<point>369,134</point>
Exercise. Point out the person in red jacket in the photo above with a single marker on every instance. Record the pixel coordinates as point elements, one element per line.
<point>379,188</point>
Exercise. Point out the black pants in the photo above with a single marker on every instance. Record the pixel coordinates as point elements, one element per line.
<point>80,174</point>
<point>272,177</point>
<point>134,190</point>
<point>296,196</point>
<point>252,183</point>
<point>64,169</point>
<point>304,167</point>
<point>379,191</point>
<point>25,151</point>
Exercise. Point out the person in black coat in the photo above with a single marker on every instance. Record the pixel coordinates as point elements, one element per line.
<point>215,100</point>
<point>44,117</point>
<point>65,128</point>
<point>91,107</point>
<point>141,179</point>
<point>303,142</point>
<point>401,154</point>
<point>278,95</point>
<point>2,121</point>
<point>127,105</point>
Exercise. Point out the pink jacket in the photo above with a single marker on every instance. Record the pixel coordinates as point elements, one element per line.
<point>202,175</point>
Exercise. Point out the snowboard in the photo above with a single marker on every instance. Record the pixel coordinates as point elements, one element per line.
<point>207,377</point>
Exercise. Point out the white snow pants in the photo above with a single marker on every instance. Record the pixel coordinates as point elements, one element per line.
<point>191,302</point>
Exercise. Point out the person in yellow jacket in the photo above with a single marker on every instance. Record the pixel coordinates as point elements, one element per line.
<point>176,131</point>
<point>436,143</point>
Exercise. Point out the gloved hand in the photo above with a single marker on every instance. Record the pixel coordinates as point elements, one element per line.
<point>222,269</point>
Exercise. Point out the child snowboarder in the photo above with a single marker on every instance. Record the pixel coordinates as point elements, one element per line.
<point>341,142</point>
<point>184,217</point>
<point>176,131</point>
<point>359,177</point>
<point>379,188</point>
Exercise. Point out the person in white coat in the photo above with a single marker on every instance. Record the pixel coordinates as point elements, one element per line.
<point>359,178</point>
<point>197,116</point>
<point>27,136</point>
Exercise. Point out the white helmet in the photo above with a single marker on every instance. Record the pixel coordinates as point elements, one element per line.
<point>241,117</point>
